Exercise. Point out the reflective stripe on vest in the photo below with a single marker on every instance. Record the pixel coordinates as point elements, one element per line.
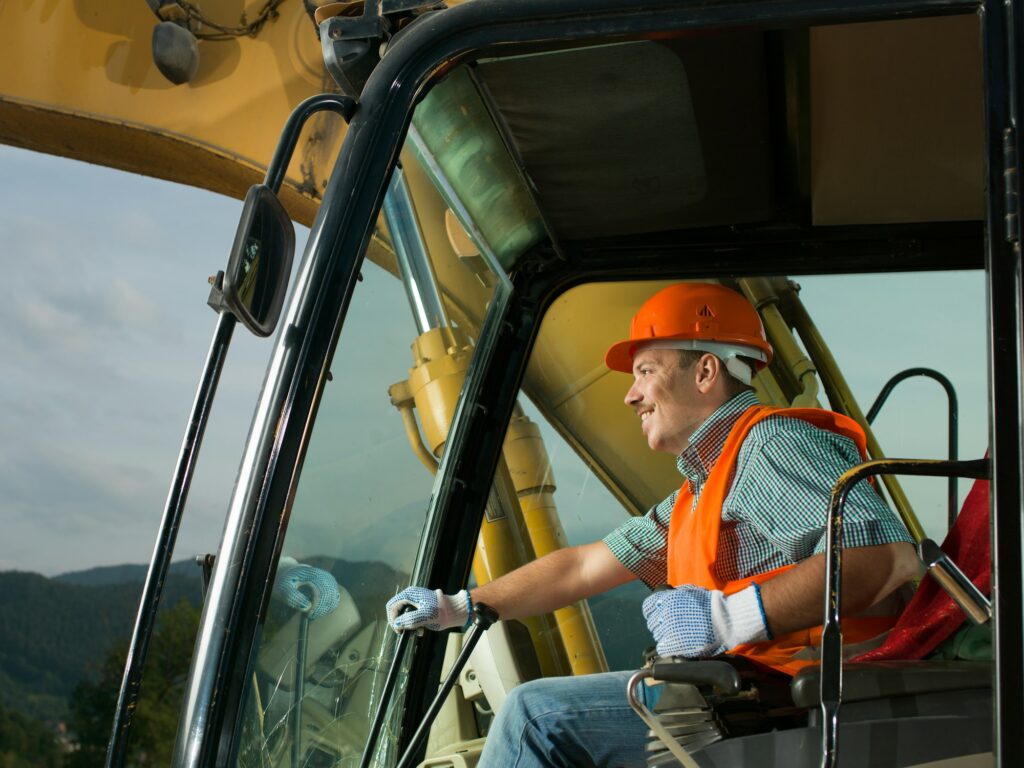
<point>693,539</point>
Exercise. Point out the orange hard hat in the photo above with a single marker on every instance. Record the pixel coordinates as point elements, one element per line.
<point>703,316</point>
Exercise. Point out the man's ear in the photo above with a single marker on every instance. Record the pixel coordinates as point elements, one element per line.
<point>708,371</point>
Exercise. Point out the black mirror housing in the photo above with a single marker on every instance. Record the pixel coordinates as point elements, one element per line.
<point>260,264</point>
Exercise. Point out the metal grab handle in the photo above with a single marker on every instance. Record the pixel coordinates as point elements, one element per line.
<point>952,422</point>
<point>652,722</point>
<point>483,618</point>
<point>831,635</point>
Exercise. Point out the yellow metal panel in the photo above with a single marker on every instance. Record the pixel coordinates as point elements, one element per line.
<point>568,380</point>
<point>79,81</point>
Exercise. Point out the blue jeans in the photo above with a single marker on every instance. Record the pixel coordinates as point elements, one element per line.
<point>569,722</point>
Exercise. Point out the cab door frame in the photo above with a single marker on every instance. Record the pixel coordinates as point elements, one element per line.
<point>1003,35</point>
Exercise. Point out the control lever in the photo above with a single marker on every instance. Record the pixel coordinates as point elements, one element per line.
<point>483,618</point>
<point>385,693</point>
<point>299,688</point>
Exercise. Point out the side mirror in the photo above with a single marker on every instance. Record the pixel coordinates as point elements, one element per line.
<point>260,263</point>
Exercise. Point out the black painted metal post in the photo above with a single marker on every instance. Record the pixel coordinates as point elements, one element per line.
<point>1002,258</point>
<point>169,525</point>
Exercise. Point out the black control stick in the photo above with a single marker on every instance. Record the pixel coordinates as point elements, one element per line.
<point>483,618</point>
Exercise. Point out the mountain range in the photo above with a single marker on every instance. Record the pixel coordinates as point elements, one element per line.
<point>56,631</point>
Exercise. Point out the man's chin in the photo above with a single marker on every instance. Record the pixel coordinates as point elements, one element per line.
<point>664,446</point>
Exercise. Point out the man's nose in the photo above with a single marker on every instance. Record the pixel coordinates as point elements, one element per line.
<point>633,396</point>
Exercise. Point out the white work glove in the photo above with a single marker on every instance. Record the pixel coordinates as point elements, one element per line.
<point>434,610</point>
<point>306,588</point>
<point>696,623</point>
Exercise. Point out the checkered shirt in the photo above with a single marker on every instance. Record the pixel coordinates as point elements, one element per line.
<point>775,511</point>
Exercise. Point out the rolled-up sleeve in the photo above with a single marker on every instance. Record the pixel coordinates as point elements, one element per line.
<point>641,543</point>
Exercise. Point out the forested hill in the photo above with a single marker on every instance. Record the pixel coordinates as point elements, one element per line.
<point>55,632</point>
<point>62,652</point>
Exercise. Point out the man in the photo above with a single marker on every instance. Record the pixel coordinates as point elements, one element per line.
<point>741,542</point>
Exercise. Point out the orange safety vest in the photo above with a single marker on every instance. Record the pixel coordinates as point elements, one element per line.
<point>693,542</point>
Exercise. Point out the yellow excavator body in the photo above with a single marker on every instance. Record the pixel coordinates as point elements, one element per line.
<point>79,81</point>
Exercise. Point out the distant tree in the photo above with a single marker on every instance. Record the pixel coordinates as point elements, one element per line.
<point>92,704</point>
<point>26,742</point>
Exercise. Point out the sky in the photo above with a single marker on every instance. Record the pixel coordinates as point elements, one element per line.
<point>105,330</point>
<point>105,333</point>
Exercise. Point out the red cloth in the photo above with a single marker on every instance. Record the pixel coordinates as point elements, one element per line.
<point>932,616</point>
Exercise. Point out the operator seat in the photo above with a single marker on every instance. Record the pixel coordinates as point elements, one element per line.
<point>898,709</point>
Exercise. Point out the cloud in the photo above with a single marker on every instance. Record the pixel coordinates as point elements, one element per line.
<point>44,476</point>
<point>123,305</point>
<point>41,323</point>
<point>105,331</point>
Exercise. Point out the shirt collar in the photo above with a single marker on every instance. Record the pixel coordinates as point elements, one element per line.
<point>707,441</point>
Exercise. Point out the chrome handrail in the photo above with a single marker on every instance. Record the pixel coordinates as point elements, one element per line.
<point>652,722</point>
<point>831,635</point>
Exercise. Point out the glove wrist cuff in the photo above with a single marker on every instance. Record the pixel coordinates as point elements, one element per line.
<point>743,615</point>
<point>459,605</point>
<point>454,609</point>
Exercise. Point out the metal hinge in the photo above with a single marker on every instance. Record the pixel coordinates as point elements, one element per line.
<point>1011,183</point>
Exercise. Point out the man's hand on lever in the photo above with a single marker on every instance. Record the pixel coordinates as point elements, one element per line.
<point>432,609</point>
<point>554,581</point>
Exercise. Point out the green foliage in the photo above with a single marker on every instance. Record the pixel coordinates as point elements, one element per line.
<point>92,704</point>
<point>52,633</point>
<point>26,742</point>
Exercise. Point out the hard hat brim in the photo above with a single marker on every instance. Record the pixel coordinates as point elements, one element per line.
<point>619,357</point>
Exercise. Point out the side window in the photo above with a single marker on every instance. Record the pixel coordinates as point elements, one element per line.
<point>879,325</point>
<point>356,519</point>
<point>872,326</point>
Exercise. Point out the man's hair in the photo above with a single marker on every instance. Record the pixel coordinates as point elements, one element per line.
<point>733,386</point>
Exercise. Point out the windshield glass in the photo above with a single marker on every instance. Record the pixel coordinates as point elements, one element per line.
<point>358,529</point>
<point>355,525</point>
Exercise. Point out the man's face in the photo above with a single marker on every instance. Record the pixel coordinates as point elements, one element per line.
<point>667,398</point>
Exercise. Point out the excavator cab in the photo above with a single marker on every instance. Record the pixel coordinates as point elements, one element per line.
<point>542,167</point>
